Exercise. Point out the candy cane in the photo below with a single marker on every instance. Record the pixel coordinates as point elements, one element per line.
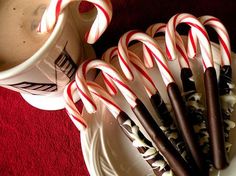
<point>107,56</point>
<point>225,79</point>
<point>137,66</point>
<point>144,146</point>
<point>174,159</point>
<point>225,70</point>
<point>158,103</point>
<point>109,70</point>
<point>71,108</point>
<point>198,28</point>
<point>174,94</point>
<point>194,107</point>
<point>210,82</point>
<point>223,37</point>
<point>152,45</point>
<point>182,54</point>
<point>103,18</point>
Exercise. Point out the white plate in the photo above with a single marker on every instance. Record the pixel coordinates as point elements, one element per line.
<point>106,150</point>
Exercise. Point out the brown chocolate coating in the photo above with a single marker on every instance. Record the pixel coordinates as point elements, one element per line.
<point>215,121</point>
<point>185,127</point>
<point>167,122</point>
<point>197,116</point>
<point>122,118</point>
<point>175,160</point>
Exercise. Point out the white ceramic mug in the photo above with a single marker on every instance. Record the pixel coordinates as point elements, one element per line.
<point>41,78</point>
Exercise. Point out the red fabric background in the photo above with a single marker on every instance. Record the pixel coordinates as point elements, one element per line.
<point>37,142</point>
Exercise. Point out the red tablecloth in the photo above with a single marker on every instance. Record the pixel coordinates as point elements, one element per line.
<point>37,142</point>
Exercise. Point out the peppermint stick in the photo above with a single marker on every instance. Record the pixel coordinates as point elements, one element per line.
<point>178,105</point>
<point>227,97</point>
<point>168,126</point>
<point>192,98</point>
<point>131,130</point>
<point>137,66</point>
<point>176,162</point>
<point>102,20</point>
<point>217,143</point>
<point>161,28</point>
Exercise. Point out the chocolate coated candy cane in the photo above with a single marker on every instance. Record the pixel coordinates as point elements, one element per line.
<point>149,153</point>
<point>166,120</point>
<point>213,104</point>
<point>176,162</point>
<point>195,111</point>
<point>144,146</point>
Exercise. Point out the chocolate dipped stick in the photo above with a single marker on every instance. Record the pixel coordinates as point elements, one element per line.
<point>195,109</point>
<point>182,56</point>
<point>144,146</point>
<point>168,79</point>
<point>215,122</point>
<point>131,130</point>
<point>211,88</point>
<point>164,145</point>
<point>167,124</point>
<point>176,162</point>
<point>227,97</point>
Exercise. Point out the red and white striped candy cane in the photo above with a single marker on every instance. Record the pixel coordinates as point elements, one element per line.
<point>198,28</point>
<point>83,91</point>
<point>71,108</point>
<point>182,54</point>
<point>103,96</point>
<point>137,107</point>
<point>214,116</point>
<point>149,153</point>
<point>107,56</point>
<point>152,45</point>
<point>103,18</point>
<point>74,113</point>
<point>137,66</point>
<point>223,37</point>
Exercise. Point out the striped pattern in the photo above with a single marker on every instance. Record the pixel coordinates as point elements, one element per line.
<point>149,153</point>
<point>32,86</point>
<point>154,48</point>
<point>182,53</point>
<point>113,74</point>
<point>107,56</point>
<point>103,96</point>
<point>96,90</point>
<point>223,37</point>
<point>198,28</point>
<point>65,64</point>
<point>71,108</point>
<point>138,67</point>
<point>102,20</point>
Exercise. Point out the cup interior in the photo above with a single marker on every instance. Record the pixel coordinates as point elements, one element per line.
<point>28,63</point>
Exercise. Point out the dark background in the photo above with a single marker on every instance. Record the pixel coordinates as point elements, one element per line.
<point>35,142</point>
<point>140,14</point>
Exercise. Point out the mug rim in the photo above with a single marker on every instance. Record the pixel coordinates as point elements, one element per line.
<point>57,30</point>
